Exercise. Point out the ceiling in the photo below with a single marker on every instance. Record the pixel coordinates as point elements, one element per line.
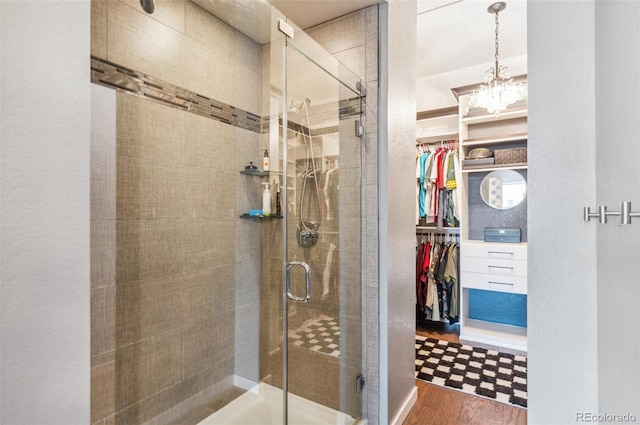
<point>307,13</point>
<point>451,34</point>
<point>460,34</point>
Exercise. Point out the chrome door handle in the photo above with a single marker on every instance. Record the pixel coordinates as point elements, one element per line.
<point>307,271</point>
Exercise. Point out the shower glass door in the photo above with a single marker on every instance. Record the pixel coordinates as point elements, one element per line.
<point>322,112</point>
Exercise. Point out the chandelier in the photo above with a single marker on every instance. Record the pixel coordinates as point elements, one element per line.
<point>498,90</point>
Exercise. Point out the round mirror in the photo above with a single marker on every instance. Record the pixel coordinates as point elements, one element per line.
<point>503,189</point>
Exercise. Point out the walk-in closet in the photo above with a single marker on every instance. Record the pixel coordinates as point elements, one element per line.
<point>471,208</point>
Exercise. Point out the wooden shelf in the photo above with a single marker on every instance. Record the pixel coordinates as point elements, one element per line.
<point>482,169</point>
<point>495,334</point>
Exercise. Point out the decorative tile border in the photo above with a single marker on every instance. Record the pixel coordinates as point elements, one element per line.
<point>137,83</point>
<point>134,82</point>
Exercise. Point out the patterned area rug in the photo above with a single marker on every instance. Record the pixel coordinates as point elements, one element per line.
<point>498,376</point>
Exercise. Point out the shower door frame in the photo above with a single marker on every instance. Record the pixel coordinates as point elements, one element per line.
<point>286,263</point>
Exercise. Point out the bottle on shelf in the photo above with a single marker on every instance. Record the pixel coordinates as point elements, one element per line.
<point>278,206</point>
<point>265,161</point>
<point>266,199</point>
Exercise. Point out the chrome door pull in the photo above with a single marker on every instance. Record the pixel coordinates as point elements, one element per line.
<point>307,271</point>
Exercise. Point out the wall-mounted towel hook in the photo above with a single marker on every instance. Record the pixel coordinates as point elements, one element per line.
<point>625,213</point>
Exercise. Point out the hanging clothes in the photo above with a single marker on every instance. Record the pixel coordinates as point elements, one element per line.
<point>437,281</point>
<point>422,262</point>
<point>437,173</point>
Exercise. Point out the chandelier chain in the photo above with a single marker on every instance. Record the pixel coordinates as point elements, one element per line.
<point>497,27</point>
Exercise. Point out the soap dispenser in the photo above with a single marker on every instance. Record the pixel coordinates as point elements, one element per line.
<point>266,199</point>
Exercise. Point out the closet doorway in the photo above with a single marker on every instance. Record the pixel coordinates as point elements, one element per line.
<point>471,302</point>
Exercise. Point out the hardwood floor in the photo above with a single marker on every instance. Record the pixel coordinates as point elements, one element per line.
<point>442,406</point>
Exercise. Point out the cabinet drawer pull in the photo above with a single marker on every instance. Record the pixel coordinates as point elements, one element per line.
<point>500,270</point>
<point>501,286</point>
<point>500,254</point>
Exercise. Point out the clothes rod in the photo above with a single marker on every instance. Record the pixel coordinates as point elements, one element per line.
<point>436,142</point>
<point>435,230</point>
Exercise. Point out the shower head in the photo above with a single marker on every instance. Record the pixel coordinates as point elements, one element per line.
<point>148,6</point>
<point>296,106</point>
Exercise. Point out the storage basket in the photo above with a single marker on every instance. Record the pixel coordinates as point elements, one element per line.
<point>511,156</point>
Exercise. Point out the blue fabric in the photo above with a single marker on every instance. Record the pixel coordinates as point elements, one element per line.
<point>498,307</point>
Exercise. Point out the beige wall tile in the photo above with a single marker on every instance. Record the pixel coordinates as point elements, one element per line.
<point>149,307</point>
<point>199,295</point>
<point>208,342</point>
<point>213,43</point>
<point>103,253</point>
<point>149,248</point>
<point>207,29</point>
<point>110,318</point>
<point>205,238</point>
<point>342,33</point>
<point>171,191</point>
<point>354,59</point>
<point>149,130</point>
<point>139,42</point>
<point>148,366</point>
<point>307,366</point>
<point>99,28</point>
<point>104,397</point>
<point>371,73</point>
<point>211,143</point>
<point>103,118</point>
<point>135,189</point>
<point>98,186</point>
<point>98,324</point>
<point>168,12</point>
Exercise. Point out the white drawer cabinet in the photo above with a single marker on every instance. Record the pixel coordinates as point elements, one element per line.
<point>494,267</point>
<point>498,267</point>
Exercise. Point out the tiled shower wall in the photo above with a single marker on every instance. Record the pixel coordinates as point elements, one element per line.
<point>174,271</point>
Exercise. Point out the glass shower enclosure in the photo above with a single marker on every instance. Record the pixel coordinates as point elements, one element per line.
<point>205,309</point>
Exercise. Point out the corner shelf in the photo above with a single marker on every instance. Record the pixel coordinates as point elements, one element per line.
<point>259,173</point>
<point>260,217</point>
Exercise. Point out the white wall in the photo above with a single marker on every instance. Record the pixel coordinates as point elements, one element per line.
<point>45,119</point>
<point>562,298</point>
<point>397,231</point>
<point>618,155</point>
